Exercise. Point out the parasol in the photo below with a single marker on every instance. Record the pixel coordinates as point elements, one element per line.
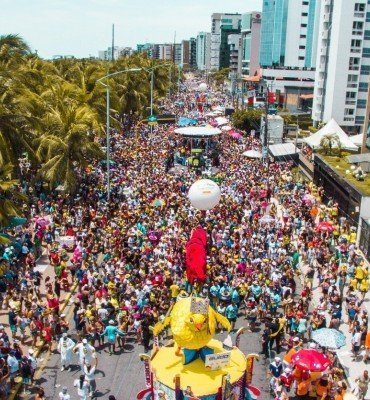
<point>235,135</point>
<point>311,360</point>
<point>330,338</point>
<point>325,226</point>
<point>226,128</point>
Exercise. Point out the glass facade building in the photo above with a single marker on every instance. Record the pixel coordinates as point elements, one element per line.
<point>273,32</point>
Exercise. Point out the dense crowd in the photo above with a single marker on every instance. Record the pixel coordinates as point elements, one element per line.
<point>127,259</point>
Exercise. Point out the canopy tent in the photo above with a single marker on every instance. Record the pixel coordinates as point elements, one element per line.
<point>198,131</point>
<point>252,154</point>
<point>283,150</point>
<point>330,128</point>
<point>221,121</point>
<point>357,139</point>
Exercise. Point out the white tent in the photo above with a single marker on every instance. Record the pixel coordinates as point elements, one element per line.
<point>198,131</point>
<point>252,154</point>
<point>221,121</point>
<point>357,139</point>
<point>331,127</point>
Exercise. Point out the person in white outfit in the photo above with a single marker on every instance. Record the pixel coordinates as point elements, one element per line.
<point>64,395</point>
<point>89,371</point>
<point>86,353</point>
<point>82,386</point>
<point>65,347</point>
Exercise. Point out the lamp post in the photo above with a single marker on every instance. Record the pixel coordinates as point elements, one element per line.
<point>106,85</point>
<point>151,70</point>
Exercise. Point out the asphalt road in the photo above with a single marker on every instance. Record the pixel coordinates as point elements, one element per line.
<point>122,374</point>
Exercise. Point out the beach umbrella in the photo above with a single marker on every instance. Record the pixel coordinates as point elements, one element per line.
<point>16,221</point>
<point>330,338</point>
<point>325,226</point>
<point>311,360</point>
<point>234,134</point>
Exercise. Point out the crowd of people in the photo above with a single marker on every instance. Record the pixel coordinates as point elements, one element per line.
<point>127,262</point>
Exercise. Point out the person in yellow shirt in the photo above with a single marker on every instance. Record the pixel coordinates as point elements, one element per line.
<point>175,290</point>
<point>303,386</point>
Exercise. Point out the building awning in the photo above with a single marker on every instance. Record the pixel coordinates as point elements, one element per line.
<point>248,78</point>
<point>306,96</point>
<point>283,149</point>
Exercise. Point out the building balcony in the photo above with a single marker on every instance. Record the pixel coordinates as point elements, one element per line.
<point>359,14</point>
<point>356,50</point>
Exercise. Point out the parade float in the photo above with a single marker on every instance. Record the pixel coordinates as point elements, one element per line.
<point>195,365</point>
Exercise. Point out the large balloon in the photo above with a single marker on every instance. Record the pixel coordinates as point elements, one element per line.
<point>203,87</point>
<point>204,194</point>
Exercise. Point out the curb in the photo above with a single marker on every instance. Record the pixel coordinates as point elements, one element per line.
<point>14,394</point>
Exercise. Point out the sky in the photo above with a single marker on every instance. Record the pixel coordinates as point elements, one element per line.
<point>82,27</point>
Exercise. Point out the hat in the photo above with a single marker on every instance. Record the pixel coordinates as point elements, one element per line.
<point>2,327</point>
<point>64,389</point>
<point>64,334</point>
<point>62,315</point>
<point>111,322</point>
<point>277,359</point>
<point>84,341</point>
<point>296,339</point>
<point>30,351</point>
<point>287,370</point>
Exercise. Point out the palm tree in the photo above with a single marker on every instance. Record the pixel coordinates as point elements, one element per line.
<point>13,47</point>
<point>10,196</point>
<point>68,144</point>
<point>329,142</point>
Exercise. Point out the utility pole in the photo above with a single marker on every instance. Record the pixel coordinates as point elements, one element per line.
<point>113,42</point>
<point>265,136</point>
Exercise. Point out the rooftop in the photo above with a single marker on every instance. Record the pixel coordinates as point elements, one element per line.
<point>341,166</point>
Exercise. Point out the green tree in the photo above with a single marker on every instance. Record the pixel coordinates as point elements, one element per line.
<point>10,196</point>
<point>247,120</point>
<point>330,144</point>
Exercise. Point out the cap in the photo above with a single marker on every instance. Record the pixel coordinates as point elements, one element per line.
<point>64,334</point>
<point>296,339</point>
<point>84,341</point>
<point>277,359</point>
<point>62,315</point>
<point>64,389</point>
<point>111,322</point>
<point>287,370</point>
<point>30,351</point>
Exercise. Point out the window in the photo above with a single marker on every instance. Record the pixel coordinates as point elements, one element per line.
<point>303,36</point>
<point>303,25</point>
<point>360,120</point>
<point>363,87</point>
<point>358,25</point>
<point>304,14</point>
<point>305,3</point>
<point>349,111</point>
<point>302,47</point>
<point>365,69</point>
<point>366,52</point>
<point>350,95</point>
<point>368,17</point>
<point>361,103</point>
<point>367,35</point>
<point>352,81</point>
<point>355,43</point>
<point>354,64</point>
<point>300,58</point>
<point>360,7</point>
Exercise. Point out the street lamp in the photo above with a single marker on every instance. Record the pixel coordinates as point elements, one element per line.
<point>108,117</point>
<point>151,70</point>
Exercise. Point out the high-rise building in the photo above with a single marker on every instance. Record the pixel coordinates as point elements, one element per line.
<point>343,63</point>
<point>289,33</point>
<point>117,53</point>
<point>193,53</point>
<point>215,41</point>
<point>203,49</point>
<point>185,54</point>
<point>251,37</point>
<point>230,25</point>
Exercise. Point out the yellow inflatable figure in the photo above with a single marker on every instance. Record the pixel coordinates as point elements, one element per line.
<point>193,324</point>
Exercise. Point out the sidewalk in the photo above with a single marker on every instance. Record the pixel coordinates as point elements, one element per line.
<point>353,369</point>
